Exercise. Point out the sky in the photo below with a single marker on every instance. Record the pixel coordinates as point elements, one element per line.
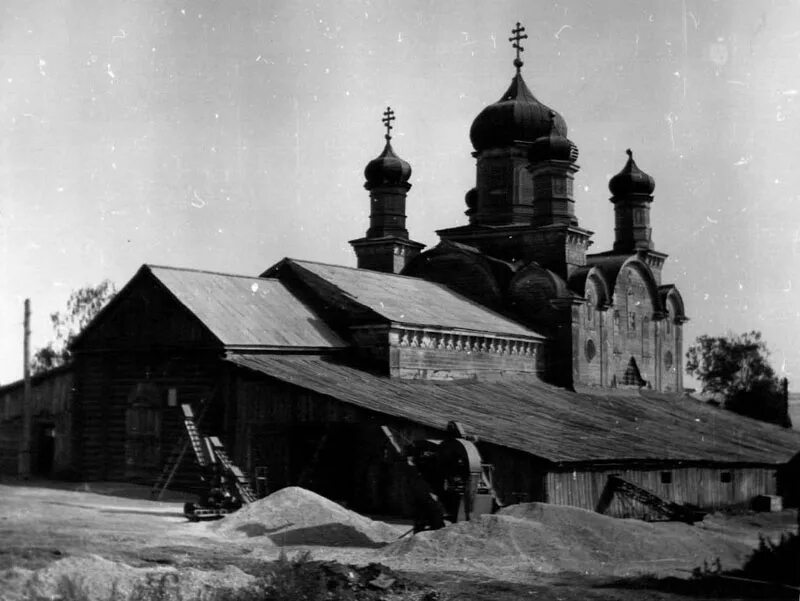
<point>226,135</point>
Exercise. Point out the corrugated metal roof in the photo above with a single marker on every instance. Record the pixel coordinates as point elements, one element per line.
<point>414,301</point>
<point>247,311</point>
<point>551,423</point>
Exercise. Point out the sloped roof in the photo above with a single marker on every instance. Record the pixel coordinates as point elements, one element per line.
<point>247,311</point>
<point>412,301</point>
<point>548,422</point>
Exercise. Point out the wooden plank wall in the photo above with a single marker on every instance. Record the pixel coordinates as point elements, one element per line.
<point>307,439</point>
<point>106,383</point>
<point>145,339</point>
<point>701,486</point>
<point>52,405</point>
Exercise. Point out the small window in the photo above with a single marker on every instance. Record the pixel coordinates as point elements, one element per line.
<point>726,477</point>
<point>616,321</point>
<point>590,350</point>
<point>666,477</point>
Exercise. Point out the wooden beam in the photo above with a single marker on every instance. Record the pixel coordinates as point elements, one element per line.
<point>27,410</point>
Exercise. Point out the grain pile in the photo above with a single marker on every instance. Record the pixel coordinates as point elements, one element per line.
<point>551,538</point>
<point>296,516</point>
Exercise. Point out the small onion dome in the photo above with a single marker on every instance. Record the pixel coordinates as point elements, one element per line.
<point>518,115</point>
<point>553,146</point>
<point>471,200</point>
<point>631,180</point>
<point>387,169</point>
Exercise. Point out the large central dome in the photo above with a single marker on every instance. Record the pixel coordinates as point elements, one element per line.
<point>517,116</point>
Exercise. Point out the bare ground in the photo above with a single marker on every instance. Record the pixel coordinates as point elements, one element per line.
<point>105,530</point>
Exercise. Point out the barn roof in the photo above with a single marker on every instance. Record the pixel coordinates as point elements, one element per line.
<point>409,300</point>
<point>552,423</point>
<point>247,311</point>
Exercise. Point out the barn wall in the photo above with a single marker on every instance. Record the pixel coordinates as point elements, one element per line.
<point>430,355</point>
<point>435,354</point>
<point>141,346</point>
<point>128,428</point>
<point>338,450</point>
<point>306,439</point>
<point>701,486</point>
<point>51,418</point>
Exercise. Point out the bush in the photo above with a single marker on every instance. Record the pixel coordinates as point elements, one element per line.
<point>301,578</point>
<point>775,562</point>
<point>287,579</point>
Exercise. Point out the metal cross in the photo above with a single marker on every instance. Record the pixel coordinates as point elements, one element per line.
<point>388,117</point>
<point>517,38</point>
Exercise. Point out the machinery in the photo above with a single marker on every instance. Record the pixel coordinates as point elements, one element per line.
<point>227,488</point>
<point>449,481</point>
<point>628,491</point>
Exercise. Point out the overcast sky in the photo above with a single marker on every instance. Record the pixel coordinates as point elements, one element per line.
<point>225,135</point>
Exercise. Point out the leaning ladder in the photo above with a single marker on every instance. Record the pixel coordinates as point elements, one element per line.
<point>241,481</point>
<point>191,437</point>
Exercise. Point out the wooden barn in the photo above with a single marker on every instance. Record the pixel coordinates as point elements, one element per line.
<point>52,443</point>
<point>296,371</point>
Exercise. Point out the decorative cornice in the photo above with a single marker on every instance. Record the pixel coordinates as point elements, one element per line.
<point>460,342</point>
<point>386,241</point>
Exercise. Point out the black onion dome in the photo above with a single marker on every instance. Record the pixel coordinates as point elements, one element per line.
<point>387,169</point>
<point>518,115</point>
<point>553,146</point>
<point>631,180</point>
<point>471,200</point>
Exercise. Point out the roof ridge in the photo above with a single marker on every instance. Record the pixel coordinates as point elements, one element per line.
<point>206,271</point>
<point>437,285</point>
<point>371,271</point>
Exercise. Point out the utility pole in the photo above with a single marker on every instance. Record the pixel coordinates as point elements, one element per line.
<point>27,409</point>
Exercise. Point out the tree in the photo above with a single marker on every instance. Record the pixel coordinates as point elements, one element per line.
<point>83,304</point>
<point>736,368</point>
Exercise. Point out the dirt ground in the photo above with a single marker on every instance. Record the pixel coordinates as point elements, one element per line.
<point>107,531</point>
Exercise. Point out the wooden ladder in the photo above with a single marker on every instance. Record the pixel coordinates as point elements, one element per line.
<point>241,481</point>
<point>191,437</point>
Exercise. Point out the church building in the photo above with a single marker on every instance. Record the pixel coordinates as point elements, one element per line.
<point>566,364</point>
<point>608,319</point>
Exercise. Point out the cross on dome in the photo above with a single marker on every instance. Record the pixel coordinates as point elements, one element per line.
<point>388,117</point>
<point>517,38</point>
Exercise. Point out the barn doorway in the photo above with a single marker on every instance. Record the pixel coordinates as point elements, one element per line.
<point>45,449</point>
<point>143,432</point>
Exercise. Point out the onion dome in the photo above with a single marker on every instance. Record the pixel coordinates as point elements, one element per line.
<point>471,200</point>
<point>631,180</point>
<point>387,169</point>
<point>553,146</point>
<point>517,116</point>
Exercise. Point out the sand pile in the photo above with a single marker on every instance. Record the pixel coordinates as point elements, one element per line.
<point>553,538</point>
<point>94,578</point>
<point>296,516</point>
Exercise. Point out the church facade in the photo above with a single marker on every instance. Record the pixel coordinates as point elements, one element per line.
<point>608,319</point>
